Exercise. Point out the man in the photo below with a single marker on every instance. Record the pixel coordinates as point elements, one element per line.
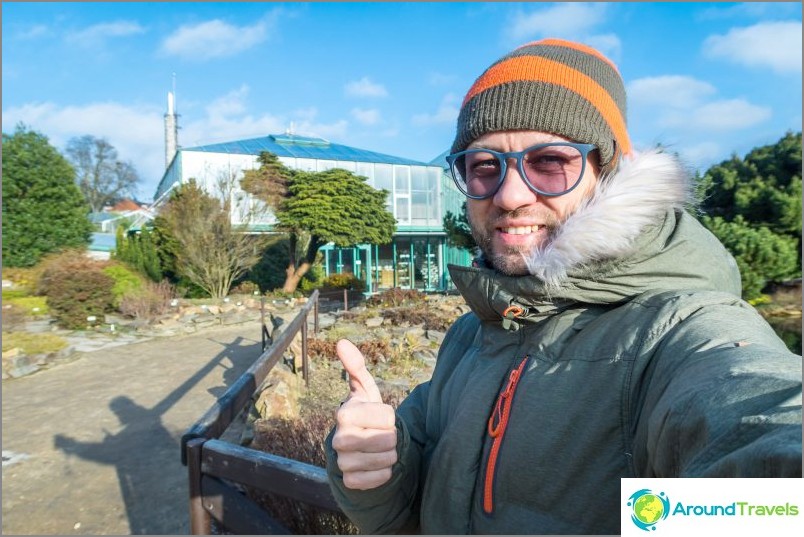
<point>607,337</point>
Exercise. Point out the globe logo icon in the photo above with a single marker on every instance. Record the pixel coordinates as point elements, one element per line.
<point>648,508</point>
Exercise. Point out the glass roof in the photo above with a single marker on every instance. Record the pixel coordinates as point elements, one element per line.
<point>292,145</point>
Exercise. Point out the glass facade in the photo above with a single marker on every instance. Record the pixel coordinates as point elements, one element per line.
<point>413,191</point>
<point>418,256</point>
<point>409,262</point>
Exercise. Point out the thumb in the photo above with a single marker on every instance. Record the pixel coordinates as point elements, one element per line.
<point>361,383</point>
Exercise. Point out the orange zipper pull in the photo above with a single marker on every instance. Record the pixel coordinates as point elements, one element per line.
<point>498,422</point>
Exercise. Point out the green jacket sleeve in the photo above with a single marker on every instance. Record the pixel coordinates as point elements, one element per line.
<point>720,397</point>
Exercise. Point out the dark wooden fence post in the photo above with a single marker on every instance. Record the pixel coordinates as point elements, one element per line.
<point>263,329</point>
<point>305,362</point>
<point>200,521</point>
<point>315,316</point>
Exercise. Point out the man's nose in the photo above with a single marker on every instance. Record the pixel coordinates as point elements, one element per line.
<point>513,192</point>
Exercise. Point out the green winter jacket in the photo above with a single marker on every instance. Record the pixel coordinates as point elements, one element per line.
<point>628,353</point>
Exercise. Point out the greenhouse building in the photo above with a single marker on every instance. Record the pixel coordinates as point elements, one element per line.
<point>420,195</point>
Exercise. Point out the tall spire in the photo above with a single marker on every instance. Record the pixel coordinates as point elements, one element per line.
<point>171,126</point>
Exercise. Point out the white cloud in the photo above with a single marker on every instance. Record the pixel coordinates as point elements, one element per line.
<point>560,20</point>
<point>669,90</point>
<point>723,115</point>
<point>446,113</point>
<point>34,32</point>
<point>568,20</point>
<point>365,88</point>
<point>440,79</point>
<point>227,119</point>
<point>215,39</point>
<point>702,155</point>
<point>137,132</point>
<point>748,9</point>
<point>366,116</point>
<point>772,45</point>
<point>96,34</point>
<point>608,44</point>
<point>232,103</point>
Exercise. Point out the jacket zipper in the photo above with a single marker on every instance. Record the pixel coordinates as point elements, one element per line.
<point>498,422</point>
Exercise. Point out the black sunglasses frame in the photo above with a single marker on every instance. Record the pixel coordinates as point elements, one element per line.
<point>584,149</point>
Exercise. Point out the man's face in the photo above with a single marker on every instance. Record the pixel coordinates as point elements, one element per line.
<point>510,225</point>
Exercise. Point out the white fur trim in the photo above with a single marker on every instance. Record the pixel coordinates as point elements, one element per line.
<point>605,226</point>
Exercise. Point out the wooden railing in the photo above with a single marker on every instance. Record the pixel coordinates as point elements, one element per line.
<point>217,467</point>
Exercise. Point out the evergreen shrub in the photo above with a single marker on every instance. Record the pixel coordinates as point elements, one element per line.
<point>126,282</point>
<point>77,290</point>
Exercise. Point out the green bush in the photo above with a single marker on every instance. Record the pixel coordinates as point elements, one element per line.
<point>762,255</point>
<point>74,295</point>
<point>344,281</point>
<point>314,279</point>
<point>245,288</point>
<point>126,282</point>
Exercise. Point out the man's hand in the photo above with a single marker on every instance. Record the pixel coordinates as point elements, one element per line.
<point>365,434</point>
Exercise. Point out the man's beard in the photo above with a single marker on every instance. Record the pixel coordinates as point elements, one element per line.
<point>510,260</point>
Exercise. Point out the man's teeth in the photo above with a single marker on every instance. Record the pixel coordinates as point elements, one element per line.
<point>521,230</point>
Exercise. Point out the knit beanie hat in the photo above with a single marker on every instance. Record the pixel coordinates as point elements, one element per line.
<point>551,85</point>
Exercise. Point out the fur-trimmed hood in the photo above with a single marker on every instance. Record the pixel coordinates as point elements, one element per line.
<point>632,235</point>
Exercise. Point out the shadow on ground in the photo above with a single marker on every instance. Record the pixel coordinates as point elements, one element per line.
<point>143,447</point>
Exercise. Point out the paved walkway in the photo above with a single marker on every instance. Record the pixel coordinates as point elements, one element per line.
<point>92,446</point>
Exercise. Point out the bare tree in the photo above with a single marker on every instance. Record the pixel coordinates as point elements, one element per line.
<point>100,175</point>
<point>210,250</point>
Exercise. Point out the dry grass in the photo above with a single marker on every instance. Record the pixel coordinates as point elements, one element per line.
<point>31,343</point>
<point>302,440</point>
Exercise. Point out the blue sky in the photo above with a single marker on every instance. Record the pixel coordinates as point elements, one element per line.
<point>707,80</point>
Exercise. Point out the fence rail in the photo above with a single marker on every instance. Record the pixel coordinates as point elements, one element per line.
<point>216,468</point>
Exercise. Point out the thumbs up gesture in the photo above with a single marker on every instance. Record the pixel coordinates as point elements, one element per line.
<point>365,433</point>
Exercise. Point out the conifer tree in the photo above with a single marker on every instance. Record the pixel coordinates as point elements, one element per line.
<point>43,209</point>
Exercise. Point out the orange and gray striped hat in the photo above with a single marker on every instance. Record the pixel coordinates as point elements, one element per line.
<point>554,86</point>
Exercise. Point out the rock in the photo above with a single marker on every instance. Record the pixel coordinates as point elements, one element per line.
<point>205,322</point>
<point>435,335</point>
<point>280,397</point>
<point>374,322</point>
<point>38,327</point>
<point>325,320</point>
<point>12,353</point>
<point>414,331</point>
<point>461,309</point>
<point>169,323</point>
<point>188,317</point>
<point>394,385</point>
<point>19,366</point>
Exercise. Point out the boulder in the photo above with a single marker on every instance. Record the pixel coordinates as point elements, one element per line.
<point>280,395</point>
<point>374,322</point>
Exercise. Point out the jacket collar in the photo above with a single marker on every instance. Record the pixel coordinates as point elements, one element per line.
<point>614,246</point>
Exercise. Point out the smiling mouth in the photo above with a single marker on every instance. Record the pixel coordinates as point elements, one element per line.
<point>520,230</point>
